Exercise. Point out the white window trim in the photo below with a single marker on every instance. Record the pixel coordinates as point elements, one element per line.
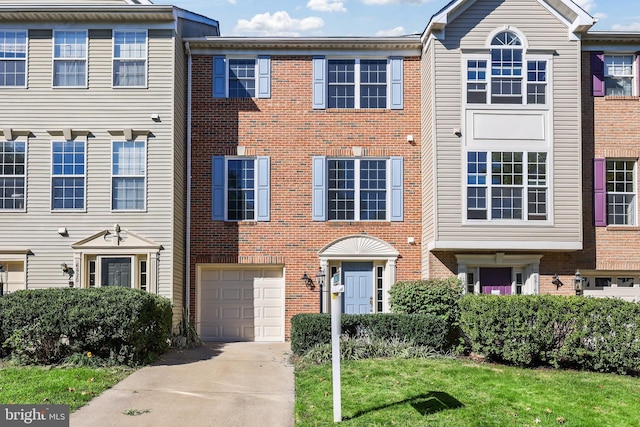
<point>633,75</point>
<point>525,186</point>
<point>26,58</point>
<point>356,189</point>
<point>114,59</point>
<point>635,191</point>
<point>85,59</point>
<point>357,83</point>
<point>52,176</point>
<point>145,176</point>
<point>230,58</point>
<point>226,188</point>
<point>24,176</point>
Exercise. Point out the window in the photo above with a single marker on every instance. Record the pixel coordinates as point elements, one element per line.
<point>358,189</point>
<point>241,188</point>
<point>70,58</point>
<point>379,288</point>
<point>621,199</point>
<point>508,75</point>
<point>357,83</point>
<point>143,274</point>
<point>68,175</point>
<point>476,82</point>
<point>128,179</point>
<point>618,75</point>
<point>130,58</point>
<point>242,77</point>
<point>506,69</point>
<point>12,175</point>
<point>514,187</point>
<point>13,58</point>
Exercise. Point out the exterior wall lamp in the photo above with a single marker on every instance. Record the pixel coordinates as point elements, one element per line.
<point>67,270</point>
<point>578,283</point>
<point>556,281</point>
<point>311,285</point>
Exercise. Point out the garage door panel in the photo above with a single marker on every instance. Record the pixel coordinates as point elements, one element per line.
<point>241,304</point>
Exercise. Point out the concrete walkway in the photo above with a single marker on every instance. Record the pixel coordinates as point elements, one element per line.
<point>236,384</point>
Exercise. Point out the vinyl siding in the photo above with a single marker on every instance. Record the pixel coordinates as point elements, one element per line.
<point>543,32</point>
<point>428,149</point>
<point>97,109</point>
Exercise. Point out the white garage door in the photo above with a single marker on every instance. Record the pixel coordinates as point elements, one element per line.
<point>241,303</point>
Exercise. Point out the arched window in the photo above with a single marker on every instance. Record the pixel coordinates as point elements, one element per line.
<point>506,69</point>
<point>507,75</point>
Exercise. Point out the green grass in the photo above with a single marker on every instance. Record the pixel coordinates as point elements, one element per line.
<point>462,393</point>
<point>73,386</point>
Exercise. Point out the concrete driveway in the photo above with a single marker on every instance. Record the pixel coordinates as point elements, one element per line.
<point>235,384</point>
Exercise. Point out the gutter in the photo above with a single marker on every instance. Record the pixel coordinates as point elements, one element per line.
<point>188,219</point>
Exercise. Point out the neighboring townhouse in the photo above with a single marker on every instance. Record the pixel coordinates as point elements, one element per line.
<point>93,144</point>
<point>502,145</point>
<point>610,262</point>
<point>306,156</point>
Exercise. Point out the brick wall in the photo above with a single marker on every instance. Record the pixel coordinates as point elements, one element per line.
<point>286,128</point>
<point>611,129</point>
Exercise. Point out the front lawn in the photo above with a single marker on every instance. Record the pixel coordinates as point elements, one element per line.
<point>460,392</point>
<point>73,386</point>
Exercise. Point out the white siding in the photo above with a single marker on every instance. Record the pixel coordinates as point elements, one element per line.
<point>545,32</point>
<point>97,109</point>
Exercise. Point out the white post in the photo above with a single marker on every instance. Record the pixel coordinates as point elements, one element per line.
<point>336,330</point>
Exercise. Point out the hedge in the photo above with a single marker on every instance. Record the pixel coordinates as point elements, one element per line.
<point>428,330</point>
<point>434,296</point>
<point>589,333</point>
<point>44,326</point>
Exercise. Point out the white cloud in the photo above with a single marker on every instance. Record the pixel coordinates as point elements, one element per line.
<point>587,5</point>
<point>278,24</point>
<point>232,1</point>
<point>630,27</point>
<point>326,5</point>
<point>384,2</point>
<point>397,31</point>
<point>600,15</point>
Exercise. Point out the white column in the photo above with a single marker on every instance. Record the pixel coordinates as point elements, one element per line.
<point>462,276</point>
<point>390,277</point>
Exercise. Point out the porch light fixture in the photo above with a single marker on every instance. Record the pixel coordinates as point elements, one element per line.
<point>311,285</point>
<point>556,281</point>
<point>67,270</point>
<point>307,281</point>
<point>578,282</point>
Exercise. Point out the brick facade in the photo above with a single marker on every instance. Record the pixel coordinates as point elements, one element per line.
<point>286,128</point>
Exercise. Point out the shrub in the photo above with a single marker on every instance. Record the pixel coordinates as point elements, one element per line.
<point>46,326</point>
<point>592,333</point>
<point>367,348</point>
<point>434,296</point>
<point>310,330</point>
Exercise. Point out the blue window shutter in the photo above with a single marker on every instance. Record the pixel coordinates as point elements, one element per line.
<point>319,83</point>
<point>397,83</point>
<point>600,192</point>
<point>397,188</point>
<point>264,77</point>
<point>319,188</point>
<point>264,189</point>
<point>219,77</point>
<point>217,188</point>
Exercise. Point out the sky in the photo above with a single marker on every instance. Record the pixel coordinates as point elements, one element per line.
<point>311,18</point>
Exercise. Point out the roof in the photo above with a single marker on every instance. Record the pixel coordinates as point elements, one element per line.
<point>407,44</point>
<point>577,19</point>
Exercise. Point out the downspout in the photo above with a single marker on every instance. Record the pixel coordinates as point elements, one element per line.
<point>188,219</point>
